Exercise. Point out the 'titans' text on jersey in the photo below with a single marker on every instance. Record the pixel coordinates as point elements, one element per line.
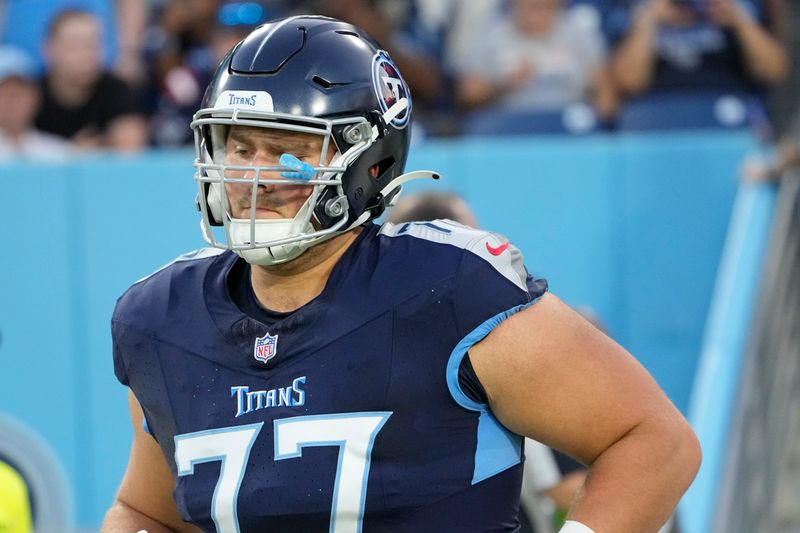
<point>357,420</point>
<point>247,400</point>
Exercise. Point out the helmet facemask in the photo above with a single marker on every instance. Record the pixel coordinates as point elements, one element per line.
<point>268,241</point>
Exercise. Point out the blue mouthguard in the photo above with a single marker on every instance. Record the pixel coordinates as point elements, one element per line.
<point>304,172</point>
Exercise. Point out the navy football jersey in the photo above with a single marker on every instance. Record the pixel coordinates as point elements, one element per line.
<point>345,415</point>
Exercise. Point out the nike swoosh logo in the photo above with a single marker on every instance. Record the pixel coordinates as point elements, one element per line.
<point>496,251</point>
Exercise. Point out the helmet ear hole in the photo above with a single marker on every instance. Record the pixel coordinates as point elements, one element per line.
<point>379,170</point>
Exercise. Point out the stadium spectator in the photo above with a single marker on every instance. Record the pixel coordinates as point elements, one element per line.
<point>539,56</point>
<point>80,100</point>
<point>23,23</point>
<point>185,43</point>
<point>459,21</point>
<point>19,99</point>
<point>180,36</point>
<point>711,45</point>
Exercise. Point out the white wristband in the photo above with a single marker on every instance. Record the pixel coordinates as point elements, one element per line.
<point>571,526</point>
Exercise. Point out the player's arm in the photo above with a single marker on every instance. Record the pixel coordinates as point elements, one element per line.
<point>552,376</point>
<point>144,500</point>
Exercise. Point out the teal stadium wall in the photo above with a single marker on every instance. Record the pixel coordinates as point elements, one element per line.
<point>630,226</point>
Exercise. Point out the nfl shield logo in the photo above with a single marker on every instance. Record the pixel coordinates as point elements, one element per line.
<point>266,347</point>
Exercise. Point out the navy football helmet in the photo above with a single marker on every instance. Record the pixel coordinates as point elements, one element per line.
<point>313,75</point>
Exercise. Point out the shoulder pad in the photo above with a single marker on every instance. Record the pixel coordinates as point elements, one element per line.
<point>201,253</point>
<point>494,248</point>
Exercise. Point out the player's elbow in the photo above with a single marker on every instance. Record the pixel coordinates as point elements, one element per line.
<point>682,451</point>
<point>693,452</point>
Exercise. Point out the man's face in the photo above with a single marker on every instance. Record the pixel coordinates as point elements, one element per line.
<point>252,146</point>
<point>536,17</point>
<point>75,49</point>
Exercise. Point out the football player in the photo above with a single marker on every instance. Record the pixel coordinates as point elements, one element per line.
<point>314,371</point>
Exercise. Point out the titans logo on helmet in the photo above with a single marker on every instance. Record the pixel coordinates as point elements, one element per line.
<point>390,87</point>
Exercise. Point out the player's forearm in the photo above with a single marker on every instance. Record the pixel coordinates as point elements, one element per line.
<point>122,518</point>
<point>635,484</point>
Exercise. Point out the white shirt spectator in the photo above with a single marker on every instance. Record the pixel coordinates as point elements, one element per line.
<point>19,99</point>
<point>34,145</point>
<point>561,62</point>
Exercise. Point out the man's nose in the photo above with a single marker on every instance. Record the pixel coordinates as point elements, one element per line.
<point>261,161</point>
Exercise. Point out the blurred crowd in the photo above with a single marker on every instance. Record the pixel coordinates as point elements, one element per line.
<point>79,75</point>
